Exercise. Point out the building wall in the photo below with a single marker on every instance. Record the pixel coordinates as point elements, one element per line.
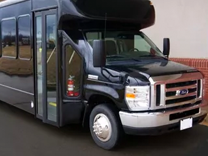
<point>185,22</point>
<point>200,64</point>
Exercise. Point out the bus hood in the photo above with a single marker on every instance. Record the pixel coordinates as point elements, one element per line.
<point>153,69</point>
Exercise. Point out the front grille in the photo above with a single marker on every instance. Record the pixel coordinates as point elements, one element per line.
<point>181,92</point>
<point>178,91</point>
<point>199,88</point>
<point>173,93</point>
<point>158,92</point>
<point>180,100</point>
<point>181,84</point>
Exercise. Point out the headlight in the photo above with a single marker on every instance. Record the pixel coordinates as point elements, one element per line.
<point>137,97</point>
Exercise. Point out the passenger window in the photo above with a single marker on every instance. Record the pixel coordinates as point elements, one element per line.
<point>8,31</point>
<point>24,37</point>
<point>73,72</point>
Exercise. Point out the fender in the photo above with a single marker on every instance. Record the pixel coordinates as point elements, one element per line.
<point>106,93</point>
<point>113,92</point>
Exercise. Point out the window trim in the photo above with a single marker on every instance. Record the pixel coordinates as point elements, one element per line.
<point>64,88</point>
<point>19,17</point>
<point>15,20</point>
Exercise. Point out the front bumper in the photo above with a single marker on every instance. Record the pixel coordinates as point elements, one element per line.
<point>160,122</point>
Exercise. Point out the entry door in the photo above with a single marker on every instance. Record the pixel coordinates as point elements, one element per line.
<point>46,65</point>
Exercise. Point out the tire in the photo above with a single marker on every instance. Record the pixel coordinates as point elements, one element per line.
<point>109,117</point>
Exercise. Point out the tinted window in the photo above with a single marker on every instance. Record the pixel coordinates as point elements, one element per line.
<point>8,31</point>
<point>39,64</point>
<point>51,66</point>
<point>73,71</point>
<point>24,37</point>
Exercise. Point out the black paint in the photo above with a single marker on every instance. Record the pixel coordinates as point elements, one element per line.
<point>19,74</point>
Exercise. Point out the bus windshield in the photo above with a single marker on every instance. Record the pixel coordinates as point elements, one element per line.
<point>122,46</point>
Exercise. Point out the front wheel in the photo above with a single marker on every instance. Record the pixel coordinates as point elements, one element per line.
<point>105,126</point>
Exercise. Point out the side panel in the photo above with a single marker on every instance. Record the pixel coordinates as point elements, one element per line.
<point>16,74</point>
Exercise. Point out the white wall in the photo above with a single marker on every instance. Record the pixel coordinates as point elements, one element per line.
<point>185,22</point>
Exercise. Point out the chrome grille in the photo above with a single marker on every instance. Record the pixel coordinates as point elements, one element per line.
<point>177,100</point>
<point>176,90</point>
<point>181,84</point>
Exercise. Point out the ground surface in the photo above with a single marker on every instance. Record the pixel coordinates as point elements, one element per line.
<point>22,135</point>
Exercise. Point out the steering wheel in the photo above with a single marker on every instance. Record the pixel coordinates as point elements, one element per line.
<point>133,50</point>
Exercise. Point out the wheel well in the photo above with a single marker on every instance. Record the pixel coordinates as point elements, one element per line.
<point>95,100</point>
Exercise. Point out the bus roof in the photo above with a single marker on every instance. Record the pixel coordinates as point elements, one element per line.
<point>127,9</point>
<point>134,11</point>
<point>141,12</point>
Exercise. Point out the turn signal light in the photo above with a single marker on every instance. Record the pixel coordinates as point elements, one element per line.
<point>130,95</point>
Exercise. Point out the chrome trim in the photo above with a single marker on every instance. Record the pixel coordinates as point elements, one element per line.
<point>151,120</point>
<point>179,88</point>
<point>22,91</point>
<point>102,127</point>
<point>162,95</point>
<point>181,96</point>
<point>201,89</point>
<point>169,79</point>
<point>177,78</point>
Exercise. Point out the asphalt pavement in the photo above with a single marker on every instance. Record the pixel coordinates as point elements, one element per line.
<point>23,135</point>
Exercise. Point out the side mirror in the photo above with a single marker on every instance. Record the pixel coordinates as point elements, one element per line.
<point>99,55</point>
<point>166,47</point>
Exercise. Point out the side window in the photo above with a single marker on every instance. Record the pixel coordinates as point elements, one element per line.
<point>73,72</point>
<point>8,31</point>
<point>24,37</point>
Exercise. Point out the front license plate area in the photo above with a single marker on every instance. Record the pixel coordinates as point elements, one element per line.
<point>186,124</point>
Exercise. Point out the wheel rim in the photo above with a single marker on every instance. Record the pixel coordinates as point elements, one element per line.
<point>102,127</point>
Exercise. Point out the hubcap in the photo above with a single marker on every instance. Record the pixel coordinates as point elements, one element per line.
<point>102,127</point>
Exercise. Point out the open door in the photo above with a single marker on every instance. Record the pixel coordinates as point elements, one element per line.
<point>45,27</point>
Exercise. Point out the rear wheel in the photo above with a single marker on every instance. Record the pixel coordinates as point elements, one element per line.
<point>105,126</point>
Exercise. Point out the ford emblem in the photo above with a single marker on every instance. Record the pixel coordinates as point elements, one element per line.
<point>184,92</point>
